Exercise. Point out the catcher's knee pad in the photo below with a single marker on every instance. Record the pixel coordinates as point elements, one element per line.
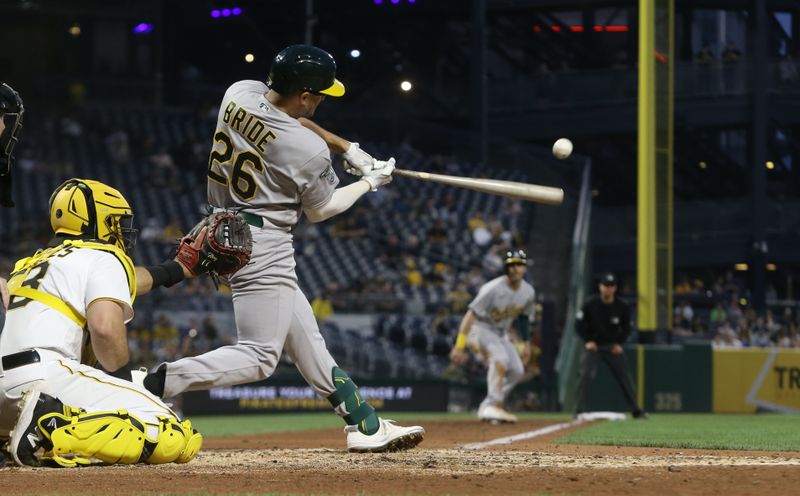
<point>177,442</point>
<point>347,401</point>
<point>113,437</point>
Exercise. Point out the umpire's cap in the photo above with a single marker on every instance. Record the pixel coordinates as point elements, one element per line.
<point>304,68</point>
<point>608,279</point>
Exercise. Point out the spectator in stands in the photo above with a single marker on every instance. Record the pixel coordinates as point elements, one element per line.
<point>163,172</point>
<point>684,286</point>
<point>726,338</point>
<point>322,307</point>
<point>705,56</point>
<point>437,234</point>
<point>760,336</point>
<point>392,251</point>
<point>699,327</point>
<point>413,275</point>
<point>439,275</point>
<point>475,221</point>
<point>718,314</point>
<point>734,310</point>
<point>412,247</point>
<point>684,309</point>
<point>680,326</point>
<point>481,234</point>
<point>164,329</point>
<point>172,231</point>
<point>730,53</point>
<point>459,298</point>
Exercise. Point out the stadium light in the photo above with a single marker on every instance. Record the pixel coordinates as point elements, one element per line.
<point>770,165</point>
<point>143,28</point>
<point>226,12</point>
<point>75,30</point>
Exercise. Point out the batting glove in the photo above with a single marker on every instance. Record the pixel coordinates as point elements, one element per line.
<point>380,175</point>
<point>357,161</point>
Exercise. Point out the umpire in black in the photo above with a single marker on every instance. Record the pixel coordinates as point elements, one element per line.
<point>604,323</point>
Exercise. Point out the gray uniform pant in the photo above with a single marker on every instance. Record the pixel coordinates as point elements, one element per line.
<point>505,365</point>
<point>271,314</point>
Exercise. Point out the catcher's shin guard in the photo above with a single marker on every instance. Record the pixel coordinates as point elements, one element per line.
<point>177,442</point>
<point>112,437</point>
<point>348,403</point>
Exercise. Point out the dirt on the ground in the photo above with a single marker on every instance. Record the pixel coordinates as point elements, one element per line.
<point>316,462</point>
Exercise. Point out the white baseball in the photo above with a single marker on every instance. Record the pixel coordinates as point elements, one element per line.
<point>562,148</point>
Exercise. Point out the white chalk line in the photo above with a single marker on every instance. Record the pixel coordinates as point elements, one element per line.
<point>524,435</point>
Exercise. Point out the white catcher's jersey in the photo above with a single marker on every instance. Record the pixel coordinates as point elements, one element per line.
<point>264,161</point>
<point>497,304</point>
<point>77,276</point>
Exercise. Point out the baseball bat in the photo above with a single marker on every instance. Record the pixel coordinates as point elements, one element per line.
<point>512,189</point>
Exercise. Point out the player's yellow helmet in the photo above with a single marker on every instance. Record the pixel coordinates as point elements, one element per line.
<point>92,210</point>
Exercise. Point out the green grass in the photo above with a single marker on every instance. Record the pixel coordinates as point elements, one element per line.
<point>696,431</point>
<point>234,425</point>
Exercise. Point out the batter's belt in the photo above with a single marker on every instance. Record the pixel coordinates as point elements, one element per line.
<point>252,219</point>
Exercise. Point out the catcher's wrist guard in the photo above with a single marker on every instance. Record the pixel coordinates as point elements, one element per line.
<point>167,273</point>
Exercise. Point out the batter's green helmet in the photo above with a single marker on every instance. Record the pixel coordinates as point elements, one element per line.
<point>304,68</point>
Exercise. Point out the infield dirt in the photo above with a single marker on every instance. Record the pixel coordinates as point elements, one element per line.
<point>315,462</point>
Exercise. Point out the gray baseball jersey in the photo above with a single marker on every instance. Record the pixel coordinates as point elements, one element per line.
<point>495,307</point>
<point>265,161</point>
<point>497,304</point>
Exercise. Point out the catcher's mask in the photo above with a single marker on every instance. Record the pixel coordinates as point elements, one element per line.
<point>12,109</point>
<point>92,210</point>
<point>515,257</point>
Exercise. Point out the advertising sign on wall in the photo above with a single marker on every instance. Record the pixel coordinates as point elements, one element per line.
<point>756,379</point>
<point>273,396</point>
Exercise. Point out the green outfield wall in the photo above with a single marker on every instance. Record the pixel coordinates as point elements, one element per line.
<point>698,378</point>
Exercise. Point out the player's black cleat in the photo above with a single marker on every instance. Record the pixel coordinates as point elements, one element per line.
<point>640,415</point>
<point>26,438</point>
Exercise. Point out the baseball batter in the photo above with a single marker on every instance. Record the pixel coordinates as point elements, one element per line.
<point>485,328</point>
<point>49,399</point>
<point>272,165</point>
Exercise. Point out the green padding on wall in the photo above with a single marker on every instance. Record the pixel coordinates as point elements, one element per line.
<point>677,379</point>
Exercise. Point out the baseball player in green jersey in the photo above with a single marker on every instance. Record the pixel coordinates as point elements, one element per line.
<point>485,328</point>
<point>271,164</point>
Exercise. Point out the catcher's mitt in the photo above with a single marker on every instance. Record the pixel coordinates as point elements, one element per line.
<point>219,244</point>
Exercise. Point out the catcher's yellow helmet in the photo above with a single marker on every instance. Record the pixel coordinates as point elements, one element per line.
<point>92,210</point>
